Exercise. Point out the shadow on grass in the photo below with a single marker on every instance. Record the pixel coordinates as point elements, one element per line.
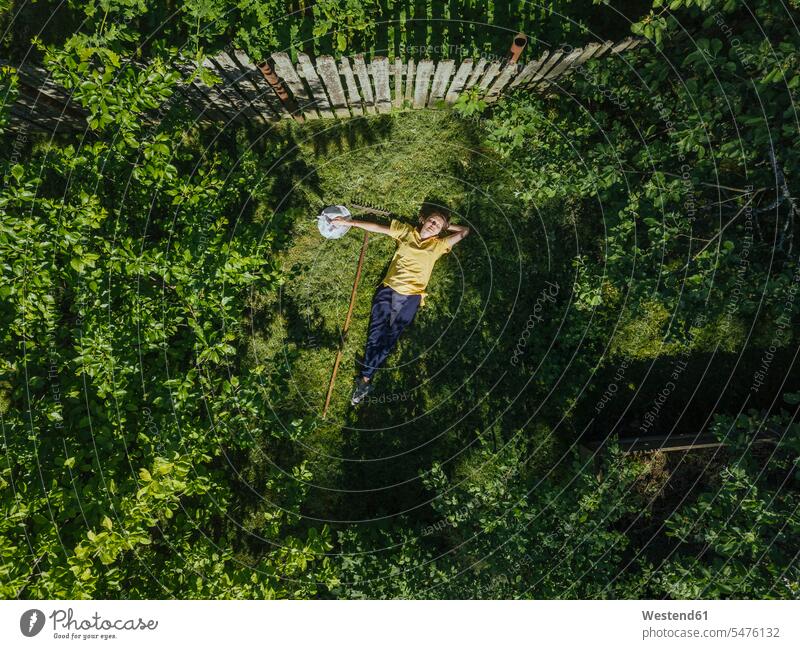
<point>450,380</point>
<point>340,136</point>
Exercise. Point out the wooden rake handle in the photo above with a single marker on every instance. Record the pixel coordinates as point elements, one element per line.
<point>346,324</point>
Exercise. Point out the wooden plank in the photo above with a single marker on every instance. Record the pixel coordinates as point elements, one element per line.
<point>264,95</point>
<point>476,73</point>
<point>366,85</point>
<point>326,68</point>
<point>457,84</point>
<point>545,68</point>
<point>380,74</point>
<point>501,82</point>
<point>441,77</point>
<point>219,95</point>
<point>588,52</point>
<point>353,98</point>
<point>47,105</point>
<point>200,108</point>
<point>39,79</point>
<point>241,84</point>
<point>424,72</point>
<point>289,107</point>
<point>215,100</point>
<point>44,116</point>
<point>23,119</point>
<point>39,113</point>
<point>285,70</point>
<point>398,82</point>
<point>558,69</point>
<point>229,90</point>
<point>56,103</point>
<point>603,49</point>
<point>629,42</point>
<point>201,105</point>
<point>637,41</point>
<point>315,86</point>
<point>231,76</point>
<point>492,70</point>
<point>411,70</point>
<point>529,70</point>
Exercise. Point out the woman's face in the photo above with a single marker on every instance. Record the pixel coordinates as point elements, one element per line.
<point>431,226</point>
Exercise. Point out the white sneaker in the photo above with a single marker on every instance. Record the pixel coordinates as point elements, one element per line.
<point>363,388</point>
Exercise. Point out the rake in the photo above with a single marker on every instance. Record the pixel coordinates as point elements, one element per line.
<point>365,209</point>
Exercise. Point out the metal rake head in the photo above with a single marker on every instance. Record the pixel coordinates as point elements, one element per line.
<point>364,206</point>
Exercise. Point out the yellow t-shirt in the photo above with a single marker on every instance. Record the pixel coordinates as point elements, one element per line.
<point>413,260</point>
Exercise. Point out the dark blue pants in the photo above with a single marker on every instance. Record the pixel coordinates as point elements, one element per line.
<point>391,314</point>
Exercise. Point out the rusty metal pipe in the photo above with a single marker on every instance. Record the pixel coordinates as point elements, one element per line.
<point>274,82</point>
<point>517,45</point>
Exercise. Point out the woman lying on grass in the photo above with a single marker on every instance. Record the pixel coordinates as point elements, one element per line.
<point>402,291</point>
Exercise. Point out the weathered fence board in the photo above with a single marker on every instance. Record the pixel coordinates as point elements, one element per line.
<point>326,67</point>
<point>207,95</point>
<point>627,43</point>
<point>557,69</point>
<point>410,77</point>
<point>603,49</point>
<point>460,78</point>
<point>353,98</point>
<point>362,74</point>
<point>277,88</point>
<point>254,78</point>
<point>285,70</point>
<point>529,70</point>
<point>52,104</point>
<point>228,89</point>
<point>398,82</point>
<point>489,75</point>
<point>52,117</point>
<point>203,109</point>
<point>238,82</point>
<point>548,65</point>
<point>588,52</point>
<point>440,78</point>
<point>380,73</point>
<point>25,118</point>
<point>501,82</point>
<point>424,72</point>
<point>476,73</point>
<point>39,81</point>
<point>676,442</point>
<point>315,87</point>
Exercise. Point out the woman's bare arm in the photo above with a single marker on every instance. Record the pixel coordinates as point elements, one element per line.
<point>458,233</point>
<point>369,226</point>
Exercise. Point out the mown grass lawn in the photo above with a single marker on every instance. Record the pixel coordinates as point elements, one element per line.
<point>431,397</point>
